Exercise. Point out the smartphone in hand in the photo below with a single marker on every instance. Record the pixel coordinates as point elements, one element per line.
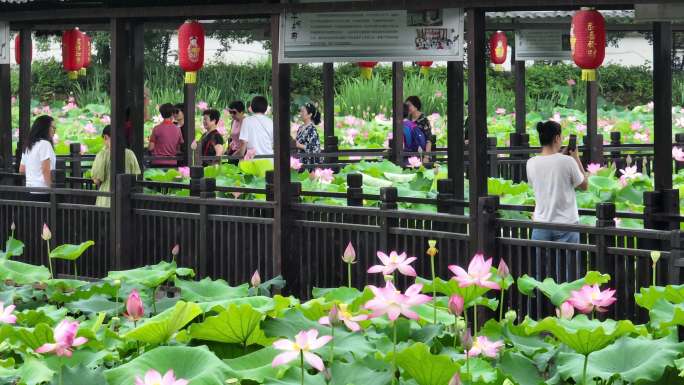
<point>572,145</point>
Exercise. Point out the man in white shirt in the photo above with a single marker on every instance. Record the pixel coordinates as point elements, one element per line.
<point>554,177</point>
<point>256,131</point>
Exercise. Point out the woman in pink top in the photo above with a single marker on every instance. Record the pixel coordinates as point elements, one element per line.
<point>236,109</point>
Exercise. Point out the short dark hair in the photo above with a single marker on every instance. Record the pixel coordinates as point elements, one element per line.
<point>415,101</point>
<point>213,115</point>
<point>237,105</point>
<point>180,107</point>
<point>166,110</point>
<point>107,131</point>
<point>548,131</point>
<point>259,104</point>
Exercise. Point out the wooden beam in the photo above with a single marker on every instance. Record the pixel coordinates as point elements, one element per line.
<point>5,117</point>
<point>397,112</point>
<point>562,24</point>
<point>24,90</point>
<point>455,137</point>
<point>520,98</point>
<point>137,88</point>
<point>662,109</point>
<point>328,102</point>
<point>477,113</point>
<point>118,93</point>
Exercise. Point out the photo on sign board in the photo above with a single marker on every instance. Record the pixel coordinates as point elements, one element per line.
<point>428,18</point>
<point>434,38</point>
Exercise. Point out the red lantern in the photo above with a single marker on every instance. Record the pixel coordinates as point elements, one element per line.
<point>87,51</point>
<point>424,67</point>
<point>191,49</point>
<point>17,50</point>
<point>72,52</point>
<point>498,49</point>
<point>588,41</point>
<point>367,68</point>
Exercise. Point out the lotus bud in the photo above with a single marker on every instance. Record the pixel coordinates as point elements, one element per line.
<point>460,324</point>
<point>193,145</point>
<point>432,249</point>
<point>565,311</point>
<point>134,306</point>
<point>13,226</point>
<point>175,251</point>
<point>117,282</point>
<point>503,271</point>
<point>455,380</point>
<point>456,304</point>
<point>507,382</point>
<point>349,255</point>
<point>511,316</point>
<point>46,235</point>
<point>655,256</point>
<point>467,339</point>
<point>256,279</point>
<point>389,278</point>
<point>334,315</point>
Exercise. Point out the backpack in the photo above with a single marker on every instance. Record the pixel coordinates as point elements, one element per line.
<point>414,137</point>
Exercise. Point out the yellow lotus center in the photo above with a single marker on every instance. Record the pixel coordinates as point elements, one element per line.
<point>594,296</point>
<point>393,258</point>
<point>297,347</point>
<point>343,312</point>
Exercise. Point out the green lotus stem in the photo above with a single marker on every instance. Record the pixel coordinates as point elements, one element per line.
<point>47,243</point>
<point>332,343</point>
<point>475,320</point>
<point>465,317</point>
<point>434,291</point>
<point>584,371</point>
<point>468,367</point>
<point>154,300</point>
<point>301,361</point>
<point>75,270</point>
<point>394,356</point>
<point>588,265</point>
<point>455,329</point>
<point>349,273</point>
<point>654,274</point>
<point>501,304</point>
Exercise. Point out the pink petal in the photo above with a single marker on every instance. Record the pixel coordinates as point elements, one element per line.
<point>393,312</point>
<point>139,381</point>
<point>457,270</point>
<point>410,314</point>
<point>283,344</point>
<point>45,348</point>
<point>414,289</point>
<point>169,378</point>
<point>284,358</point>
<point>153,377</point>
<point>324,320</point>
<point>314,361</point>
<point>79,341</point>
<point>408,260</point>
<point>491,285</point>
<point>317,343</point>
<point>353,326</point>
<point>383,258</point>
<point>376,269</point>
<point>407,270</point>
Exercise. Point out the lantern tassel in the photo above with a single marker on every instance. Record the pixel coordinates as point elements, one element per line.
<point>190,77</point>
<point>72,75</point>
<point>82,72</point>
<point>589,75</point>
<point>366,72</point>
<point>424,70</point>
<point>498,67</point>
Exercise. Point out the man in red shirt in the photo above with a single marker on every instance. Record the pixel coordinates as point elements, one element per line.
<point>166,138</point>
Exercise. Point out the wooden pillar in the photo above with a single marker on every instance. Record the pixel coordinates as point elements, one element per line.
<point>118,93</point>
<point>24,90</point>
<point>520,98</point>
<point>594,145</point>
<point>5,100</point>
<point>189,97</point>
<point>328,104</point>
<point>281,154</point>
<point>477,113</point>
<point>137,88</point>
<point>662,110</point>
<point>455,137</point>
<point>397,112</point>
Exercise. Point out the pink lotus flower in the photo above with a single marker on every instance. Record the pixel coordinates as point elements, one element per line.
<point>341,313</point>
<point>193,145</point>
<point>255,281</point>
<point>590,298</point>
<point>14,100</point>
<point>83,149</point>
<point>46,234</point>
<point>153,377</point>
<point>202,105</point>
<point>482,345</point>
<point>349,255</point>
<point>571,118</point>
<point>438,94</point>
<point>69,106</point>
<point>105,119</point>
<point>134,306</point>
<point>295,163</point>
<point>175,250</point>
<point>350,120</point>
<point>500,111</point>
<point>157,119</point>
<point>304,343</point>
<point>46,110</point>
<point>394,262</point>
<point>324,176</point>
<point>581,128</point>
<point>556,117</point>
<point>381,118</point>
<point>388,300</point>
<point>617,221</point>
<point>593,168</point>
<point>6,315</point>
<point>642,137</point>
<point>678,154</point>
<point>571,82</point>
<point>479,272</point>
<point>414,162</point>
<point>565,311</point>
<point>456,304</point>
<point>65,339</point>
<point>502,271</point>
<point>649,106</point>
<point>636,126</point>
<point>89,128</point>
<point>184,171</point>
<point>628,173</point>
<point>679,122</point>
<point>350,135</point>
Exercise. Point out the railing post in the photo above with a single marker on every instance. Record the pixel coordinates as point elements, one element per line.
<point>679,141</point>
<point>207,190</point>
<point>486,225</point>
<point>445,192</point>
<point>605,217</point>
<point>58,181</point>
<point>332,145</point>
<point>433,140</point>
<point>196,177</point>
<point>615,140</point>
<point>524,143</point>
<point>124,230</point>
<point>354,189</point>
<point>493,157</point>
<point>514,140</point>
<point>75,164</point>
<point>270,196</point>
<point>676,260</point>
<point>653,204</point>
<point>388,202</point>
